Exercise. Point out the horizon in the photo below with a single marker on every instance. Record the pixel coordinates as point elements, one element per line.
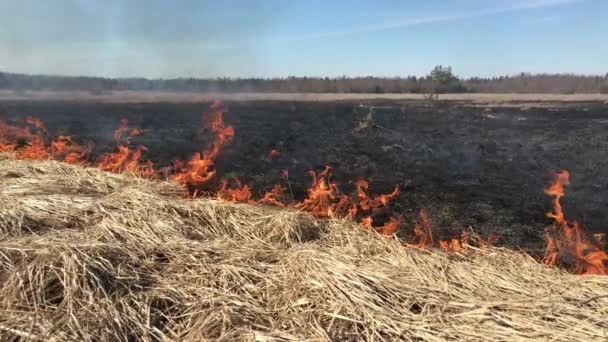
<point>214,78</point>
<point>275,39</point>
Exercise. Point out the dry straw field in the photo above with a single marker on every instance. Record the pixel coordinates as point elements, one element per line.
<point>91,256</point>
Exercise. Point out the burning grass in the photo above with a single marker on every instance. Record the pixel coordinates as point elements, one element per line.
<point>89,255</point>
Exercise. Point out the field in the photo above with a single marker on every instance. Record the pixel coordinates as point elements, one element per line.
<point>479,166</point>
<point>181,97</point>
<point>89,255</point>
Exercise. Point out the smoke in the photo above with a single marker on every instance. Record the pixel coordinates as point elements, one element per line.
<point>131,38</point>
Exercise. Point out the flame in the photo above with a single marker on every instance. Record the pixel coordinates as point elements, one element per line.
<point>199,169</point>
<point>29,139</point>
<point>239,194</point>
<point>35,149</point>
<point>126,160</point>
<point>390,227</point>
<point>31,143</point>
<point>323,198</point>
<point>273,154</point>
<point>64,148</point>
<point>367,204</point>
<point>197,173</point>
<point>121,130</point>
<point>424,231</point>
<point>276,196</point>
<point>135,132</point>
<point>600,238</point>
<point>27,142</point>
<point>568,239</point>
<point>6,142</point>
<point>367,222</point>
<point>452,245</point>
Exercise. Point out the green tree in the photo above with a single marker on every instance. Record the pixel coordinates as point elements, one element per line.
<point>442,80</point>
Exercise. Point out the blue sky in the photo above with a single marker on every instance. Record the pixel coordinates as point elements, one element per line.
<point>277,38</point>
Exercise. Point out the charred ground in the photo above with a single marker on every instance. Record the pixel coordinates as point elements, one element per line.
<point>477,166</point>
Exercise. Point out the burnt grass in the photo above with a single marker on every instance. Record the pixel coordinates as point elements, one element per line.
<point>478,167</point>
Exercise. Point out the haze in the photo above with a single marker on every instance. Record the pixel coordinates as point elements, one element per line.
<point>163,39</point>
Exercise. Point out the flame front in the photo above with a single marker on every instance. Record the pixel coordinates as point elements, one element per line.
<point>125,159</point>
<point>566,239</point>
<point>199,169</point>
<point>64,148</point>
<point>29,139</point>
<point>423,231</point>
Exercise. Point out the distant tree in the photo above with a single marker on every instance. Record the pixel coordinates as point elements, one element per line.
<point>442,80</point>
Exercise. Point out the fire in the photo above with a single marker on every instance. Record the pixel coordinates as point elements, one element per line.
<point>27,142</point>
<point>31,143</point>
<point>199,169</point>
<point>390,227</point>
<point>35,149</point>
<point>126,160</point>
<point>66,149</point>
<point>197,172</point>
<point>323,198</point>
<point>367,204</point>
<point>273,154</point>
<point>367,222</point>
<point>29,139</point>
<point>240,194</point>
<point>424,231</point>
<point>452,245</point>
<point>123,132</point>
<point>565,239</point>
<point>276,196</point>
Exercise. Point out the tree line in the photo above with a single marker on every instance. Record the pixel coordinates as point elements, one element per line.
<point>440,80</point>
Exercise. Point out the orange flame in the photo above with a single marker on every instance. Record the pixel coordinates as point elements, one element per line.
<point>367,204</point>
<point>273,154</point>
<point>64,148</point>
<point>197,172</point>
<point>27,142</point>
<point>30,143</point>
<point>276,196</point>
<point>125,159</point>
<point>424,231</point>
<point>323,198</point>
<point>566,239</point>
<point>35,149</point>
<point>128,161</point>
<point>239,194</point>
<point>199,169</point>
<point>390,227</point>
<point>367,222</point>
<point>452,245</point>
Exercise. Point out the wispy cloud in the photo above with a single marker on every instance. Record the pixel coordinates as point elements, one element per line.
<point>548,19</point>
<point>409,22</point>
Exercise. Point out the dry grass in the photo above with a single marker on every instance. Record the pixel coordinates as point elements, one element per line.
<point>194,97</point>
<point>90,256</point>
